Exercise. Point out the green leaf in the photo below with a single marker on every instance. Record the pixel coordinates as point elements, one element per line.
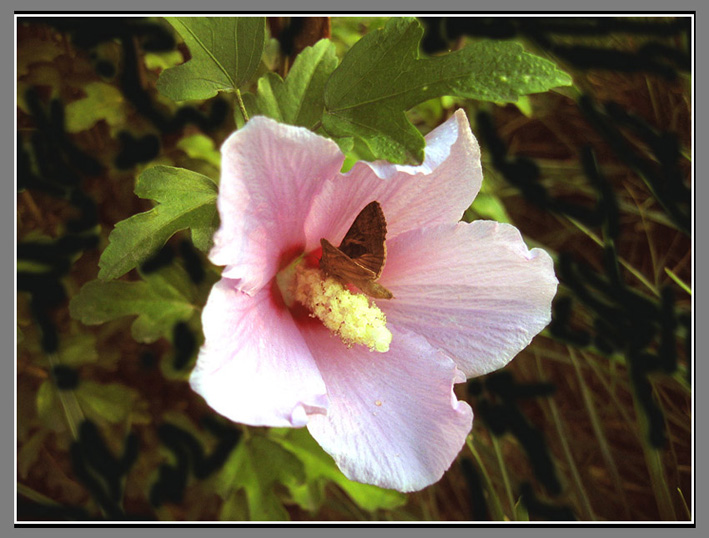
<point>678,281</point>
<point>77,349</point>
<point>235,507</point>
<point>102,102</point>
<point>199,146</point>
<point>486,206</point>
<point>320,468</point>
<point>525,106</point>
<point>521,512</point>
<point>382,76</point>
<point>157,303</point>
<point>256,466</point>
<point>49,408</point>
<point>299,99</point>
<point>186,200</point>
<point>30,452</point>
<point>226,51</point>
<point>110,402</point>
<point>162,60</point>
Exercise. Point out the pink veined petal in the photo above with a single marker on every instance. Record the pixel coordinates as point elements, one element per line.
<point>255,367</point>
<point>270,175</point>
<point>438,191</point>
<point>393,419</point>
<point>473,290</point>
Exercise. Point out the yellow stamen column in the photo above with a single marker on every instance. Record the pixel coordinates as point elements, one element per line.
<point>350,315</point>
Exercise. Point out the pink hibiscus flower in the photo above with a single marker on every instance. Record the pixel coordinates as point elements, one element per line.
<point>467,299</point>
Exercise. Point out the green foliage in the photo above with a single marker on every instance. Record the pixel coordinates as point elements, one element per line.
<point>382,76</point>
<point>162,60</point>
<point>199,146</point>
<point>346,31</point>
<point>226,51</point>
<point>255,467</point>
<point>487,205</point>
<point>297,100</point>
<point>320,469</point>
<point>102,102</point>
<point>77,349</point>
<point>29,454</point>
<point>158,302</point>
<point>186,200</point>
<point>105,402</point>
<point>48,409</point>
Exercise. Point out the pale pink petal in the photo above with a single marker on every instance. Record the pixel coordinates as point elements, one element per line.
<point>438,191</point>
<point>473,290</point>
<point>270,174</point>
<point>393,419</point>
<point>254,366</point>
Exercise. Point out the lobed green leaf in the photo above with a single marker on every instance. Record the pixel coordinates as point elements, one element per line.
<point>382,76</point>
<point>157,303</point>
<point>255,467</point>
<point>186,200</point>
<point>226,51</point>
<point>320,468</point>
<point>299,99</point>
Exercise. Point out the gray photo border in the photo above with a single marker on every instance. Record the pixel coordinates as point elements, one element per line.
<point>395,7</point>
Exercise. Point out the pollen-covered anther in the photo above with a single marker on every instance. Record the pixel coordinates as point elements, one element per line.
<point>350,315</point>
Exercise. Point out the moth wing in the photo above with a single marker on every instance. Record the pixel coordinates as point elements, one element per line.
<point>364,242</point>
<point>338,264</point>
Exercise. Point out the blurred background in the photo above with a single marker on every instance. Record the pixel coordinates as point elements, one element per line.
<point>590,422</point>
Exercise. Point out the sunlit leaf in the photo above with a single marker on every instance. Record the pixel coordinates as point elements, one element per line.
<point>235,507</point>
<point>256,466</point>
<point>29,453</point>
<point>78,349</point>
<point>110,402</point>
<point>487,206</point>
<point>678,280</point>
<point>320,468</point>
<point>382,76</point>
<point>524,104</point>
<point>163,60</point>
<point>102,102</point>
<point>226,51</point>
<point>158,304</point>
<point>298,100</point>
<point>201,147</point>
<point>49,410</point>
<point>186,200</point>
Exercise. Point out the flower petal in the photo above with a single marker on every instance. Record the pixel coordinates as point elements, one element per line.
<point>254,366</point>
<point>393,419</point>
<point>473,290</point>
<point>438,191</point>
<point>270,174</point>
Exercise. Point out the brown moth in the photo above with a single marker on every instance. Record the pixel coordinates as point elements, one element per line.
<point>360,258</point>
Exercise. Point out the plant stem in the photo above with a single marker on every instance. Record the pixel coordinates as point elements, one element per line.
<point>653,460</point>
<point>637,274</point>
<point>503,470</point>
<point>240,102</point>
<point>563,439</point>
<point>498,513</point>
<point>678,281</point>
<point>600,435</point>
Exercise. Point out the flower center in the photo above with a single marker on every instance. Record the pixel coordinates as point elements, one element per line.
<point>350,315</point>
